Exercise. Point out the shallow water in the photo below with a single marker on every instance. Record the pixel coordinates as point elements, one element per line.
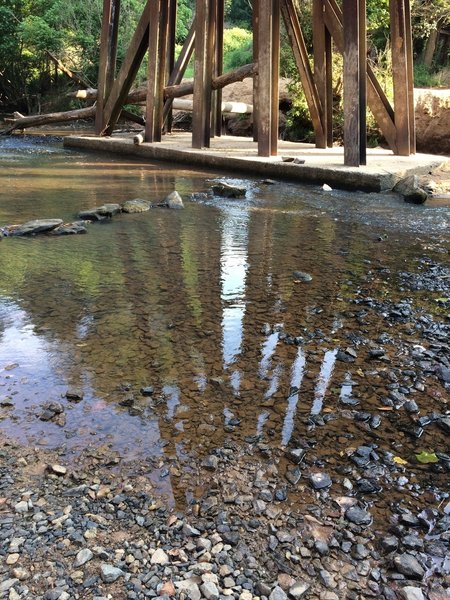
<point>197,303</point>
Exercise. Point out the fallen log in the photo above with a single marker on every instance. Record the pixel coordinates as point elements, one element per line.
<point>58,117</point>
<point>176,91</point>
<point>227,107</point>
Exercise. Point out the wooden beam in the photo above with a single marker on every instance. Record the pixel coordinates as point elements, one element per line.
<point>354,73</point>
<point>128,71</point>
<point>265,77</point>
<point>255,50</point>
<point>320,68</point>
<point>275,76</point>
<point>300,52</point>
<point>171,41</point>
<point>153,70</point>
<point>218,63</point>
<point>202,78</point>
<point>410,76</point>
<point>104,70</point>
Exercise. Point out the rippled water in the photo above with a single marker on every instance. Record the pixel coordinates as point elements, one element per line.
<point>195,303</point>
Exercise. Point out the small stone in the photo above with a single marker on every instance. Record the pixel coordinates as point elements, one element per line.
<point>7,584</point>
<point>21,507</point>
<point>21,574</point>
<point>278,594</point>
<point>190,531</point>
<point>226,190</point>
<point>210,462</point>
<point>109,574</point>
<point>147,390</point>
<point>74,395</point>
<point>411,593</point>
<point>135,206</point>
<point>167,589</point>
<point>302,276</point>
<point>83,557</point>
<point>320,481</point>
<point>210,591</point>
<point>296,455</point>
<point>173,200</point>
<point>11,559</point>
<point>298,589</point>
<point>159,557</point>
<point>408,565</point>
<point>358,516</point>
<point>58,469</point>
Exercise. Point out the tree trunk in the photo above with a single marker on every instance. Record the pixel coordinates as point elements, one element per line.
<point>430,47</point>
<point>59,117</point>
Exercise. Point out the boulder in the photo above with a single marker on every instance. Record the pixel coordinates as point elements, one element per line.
<point>36,226</point>
<point>226,190</point>
<point>410,189</point>
<point>432,110</point>
<point>173,200</point>
<point>135,206</point>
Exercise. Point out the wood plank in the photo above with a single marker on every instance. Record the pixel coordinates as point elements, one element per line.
<point>265,77</point>
<point>162,59</point>
<point>115,14</point>
<point>410,76</point>
<point>400,76</point>
<point>352,75</point>
<point>171,41</point>
<point>127,73</point>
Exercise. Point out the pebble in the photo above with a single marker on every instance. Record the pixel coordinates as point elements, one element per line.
<point>278,594</point>
<point>83,557</point>
<point>159,557</point>
<point>411,593</point>
<point>320,481</point>
<point>408,565</point>
<point>358,516</point>
<point>109,573</point>
<point>298,589</point>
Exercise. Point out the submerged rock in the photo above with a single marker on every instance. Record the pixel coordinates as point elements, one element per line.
<point>410,189</point>
<point>70,229</point>
<point>226,190</point>
<point>35,227</point>
<point>173,200</point>
<point>135,206</point>
<point>99,213</point>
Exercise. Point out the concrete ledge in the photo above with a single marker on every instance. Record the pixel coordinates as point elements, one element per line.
<point>239,155</point>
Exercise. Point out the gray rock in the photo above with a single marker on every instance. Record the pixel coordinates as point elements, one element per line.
<point>159,557</point>
<point>320,481</point>
<point>173,200</point>
<point>226,190</point>
<point>135,206</point>
<point>74,228</point>
<point>358,516</point>
<point>278,594</point>
<point>36,226</point>
<point>22,507</point>
<point>74,395</point>
<point>210,462</point>
<point>109,574</point>
<point>302,276</point>
<point>83,557</point>
<point>298,589</point>
<point>411,593</point>
<point>410,189</point>
<point>7,585</point>
<point>408,565</point>
<point>98,213</point>
<point>189,587</point>
<point>190,531</point>
<point>296,455</point>
<point>210,591</point>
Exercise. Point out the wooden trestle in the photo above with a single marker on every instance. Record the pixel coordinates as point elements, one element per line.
<point>344,25</point>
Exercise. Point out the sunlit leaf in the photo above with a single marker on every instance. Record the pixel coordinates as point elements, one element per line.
<point>399,460</point>
<point>427,457</point>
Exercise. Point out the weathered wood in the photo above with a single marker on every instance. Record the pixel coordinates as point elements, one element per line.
<point>218,63</point>
<point>227,107</point>
<point>127,73</point>
<point>352,83</point>
<point>300,52</point>
<point>158,30</point>
<point>129,116</point>
<point>202,77</point>
<point>362,92</point>
<point>376,98</point>
<point>58,117</point>
<point>170,62</point>
<point>255,49</point>
<point>410,77</point>
<point>265,77</point>
<point>320,68</point>
<point>275,76</point>
<point>180,67</point>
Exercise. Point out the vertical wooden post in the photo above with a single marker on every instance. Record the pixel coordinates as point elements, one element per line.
<point>153,70</point>
<point>201,128</point>
<point>402,76</point>
<point>255,24</point>
<point>210,64</point>
<point>275,77</point>
<point>218,65</point>
<point>362,83</point>
<point>264,76</point>
<point>107,62</point>
<point>171,41</point>
<point>322,57</point>
<point>354,82</point>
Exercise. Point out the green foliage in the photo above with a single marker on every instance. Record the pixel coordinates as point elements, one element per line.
<point>237,48</point>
